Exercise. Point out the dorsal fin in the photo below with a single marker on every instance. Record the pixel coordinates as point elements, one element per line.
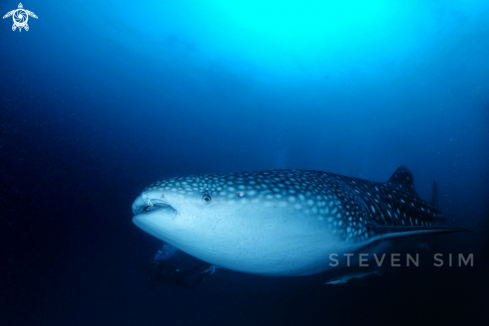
<point>403,178</point>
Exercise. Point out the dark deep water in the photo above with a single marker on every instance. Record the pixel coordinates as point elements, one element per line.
<point>100,99</point>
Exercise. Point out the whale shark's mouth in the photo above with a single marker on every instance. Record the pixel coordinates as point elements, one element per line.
<point>144,204</point>
<point>155,207</point>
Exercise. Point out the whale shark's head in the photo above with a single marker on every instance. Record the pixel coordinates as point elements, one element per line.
<point>180,211</point>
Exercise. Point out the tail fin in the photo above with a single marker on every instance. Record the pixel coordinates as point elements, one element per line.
<point>434,196</point>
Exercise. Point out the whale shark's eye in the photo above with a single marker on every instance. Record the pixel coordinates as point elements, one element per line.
<point>206,199</point>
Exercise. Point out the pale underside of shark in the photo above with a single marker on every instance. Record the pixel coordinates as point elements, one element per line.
<point>284,222</point>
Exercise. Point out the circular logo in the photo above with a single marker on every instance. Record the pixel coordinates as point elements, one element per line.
<point>20,18</point>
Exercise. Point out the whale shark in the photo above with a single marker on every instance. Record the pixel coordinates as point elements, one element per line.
<point>285,222</point>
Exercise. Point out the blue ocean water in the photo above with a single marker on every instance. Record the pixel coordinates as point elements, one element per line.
<point>98,99</point>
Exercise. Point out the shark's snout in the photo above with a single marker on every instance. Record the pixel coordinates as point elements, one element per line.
<point>152,213</point>
<point>139,205</point>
